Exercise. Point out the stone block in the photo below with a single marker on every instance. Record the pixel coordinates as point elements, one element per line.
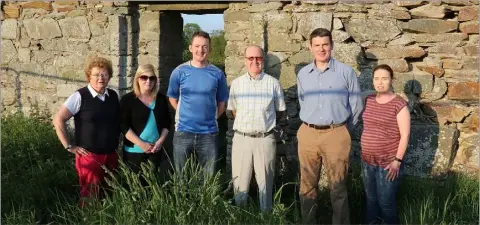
<point>100,44</point>
<point>279,23</point>
<point>288,77</point>
<point>397,65</point>
<point>463,91</point>
<point>349,53</point>
<point>337,24</point>
<point>429,38</point>
<point>471,50</point>
<point>430,149</point>
<point>457,2</point>
<point>452,64</point>
<point>468,13</point>
<point>438,91</point>
<point>235,48</point>
<point>275,58</point>
<point>11,10</point>
<point>468,155</point>
<point>234,66</point>
<point>339,36</point>
<point>408,3</point>
<point>282,43</point>
<point>303,57</point>
<point>393,52</point>
<point>372,29</point>
<point>66,2</point>
<point>8,51</point>
<point>150,26</point>
<point>450,113</point>
<point>72,73</point>
<point>461,75</point>
<point>471,122</point>
<point>307,22</point>
<point>24,55</point>
<point>263,7</point>
<point>233,16</point>
<point>401,40</point>
<point>470,27</point>
<point>64,44</point>
<point>470,63</point>
<point>75,28</point>
<point>42,29</point>
<point>188,7</point>
<point>9,29</point>
<point>65,90</point>
<point>235,36</point>
<point>429,11</point>
<point>431,26</point>
<point>37,5</point>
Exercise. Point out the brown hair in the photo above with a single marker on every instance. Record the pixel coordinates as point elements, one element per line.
<point>141,70</point>
<point>321,32</point>
<point>201,34</point>
<point>100,63</point>
<point>384,67</point>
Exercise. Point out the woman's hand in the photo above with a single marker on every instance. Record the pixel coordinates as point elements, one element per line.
<point>393,170</point>
<point>146,147</point>
<point>158,145</point>
<point>77,150</point>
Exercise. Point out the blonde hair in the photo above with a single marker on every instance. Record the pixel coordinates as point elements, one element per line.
<point>145,69</point>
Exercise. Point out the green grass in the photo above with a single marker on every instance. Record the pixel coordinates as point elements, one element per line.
<point>39,185</point>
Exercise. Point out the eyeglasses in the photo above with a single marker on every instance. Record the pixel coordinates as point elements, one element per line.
<point>258,58</point>
<point>145,77</point>
<point>100,75</point>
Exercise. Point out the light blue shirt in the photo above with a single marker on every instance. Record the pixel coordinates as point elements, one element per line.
<point>149,134</point>
<point>331,96</point>
<point>198,91</point>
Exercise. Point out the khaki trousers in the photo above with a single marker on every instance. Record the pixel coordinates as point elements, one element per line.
<point>332,147</point>
<point>253,153</point>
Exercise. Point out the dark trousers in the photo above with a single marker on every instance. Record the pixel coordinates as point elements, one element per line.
<point>134,160</point>
<point>380,195</point>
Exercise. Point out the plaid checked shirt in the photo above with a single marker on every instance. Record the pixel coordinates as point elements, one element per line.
<point>255,102</point>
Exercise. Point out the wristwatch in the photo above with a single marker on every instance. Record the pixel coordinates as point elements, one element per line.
<point>68,147</point>
<point>398,160</point>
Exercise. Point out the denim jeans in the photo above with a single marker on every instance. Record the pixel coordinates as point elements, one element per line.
<point>380,195</point>
<point>204,147</point>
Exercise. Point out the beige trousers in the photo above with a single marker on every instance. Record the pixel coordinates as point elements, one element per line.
<point>253,153</point>
<point>331,147</point>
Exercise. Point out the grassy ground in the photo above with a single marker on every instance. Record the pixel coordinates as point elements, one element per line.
<point>39,185</point>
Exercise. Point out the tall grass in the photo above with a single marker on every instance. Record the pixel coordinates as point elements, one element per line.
<point>39,185</point>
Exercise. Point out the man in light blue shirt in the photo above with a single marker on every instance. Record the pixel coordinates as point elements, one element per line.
<point>198,92</point>
<point>330,104</point>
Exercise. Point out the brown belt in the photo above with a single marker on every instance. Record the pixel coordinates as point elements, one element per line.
<point>324,127</point>
<point>255,135</point>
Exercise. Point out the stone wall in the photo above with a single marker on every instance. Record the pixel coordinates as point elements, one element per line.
<point>45,46</point>
<point>432,46</point>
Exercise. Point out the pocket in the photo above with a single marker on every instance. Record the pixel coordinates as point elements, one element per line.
<point>213,134</point>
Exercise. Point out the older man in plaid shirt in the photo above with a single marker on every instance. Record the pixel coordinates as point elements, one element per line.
<point>256,102</point>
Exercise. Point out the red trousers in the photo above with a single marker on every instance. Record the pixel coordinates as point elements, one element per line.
<point>91,173</point>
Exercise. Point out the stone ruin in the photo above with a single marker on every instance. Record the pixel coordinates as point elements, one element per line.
<point>431,45</point>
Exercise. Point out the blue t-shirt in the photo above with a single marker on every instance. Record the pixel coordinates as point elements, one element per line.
<point>198,91</point>
<point>149,134</point>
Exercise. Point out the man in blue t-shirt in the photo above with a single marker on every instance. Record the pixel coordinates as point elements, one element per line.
<point>198,92</point>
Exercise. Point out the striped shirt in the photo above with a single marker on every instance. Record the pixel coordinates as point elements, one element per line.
<point>255,102</point>
<point>381,136</point>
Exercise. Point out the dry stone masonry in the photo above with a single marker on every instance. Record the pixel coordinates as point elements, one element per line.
<point>431,45</point>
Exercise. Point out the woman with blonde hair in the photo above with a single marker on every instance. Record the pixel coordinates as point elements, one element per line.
<point>145,120</point>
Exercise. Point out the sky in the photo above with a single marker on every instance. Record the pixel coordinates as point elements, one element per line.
<point>208,22</point>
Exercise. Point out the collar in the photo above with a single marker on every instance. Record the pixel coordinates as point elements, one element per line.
<point>260,77</point>
<point>330,66</point>
<point>94,93</point>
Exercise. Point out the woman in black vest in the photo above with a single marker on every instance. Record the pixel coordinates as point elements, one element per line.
<point>96,112</point>
<point>145,120</point>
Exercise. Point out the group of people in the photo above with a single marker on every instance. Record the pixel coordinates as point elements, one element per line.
<point>330,106</point>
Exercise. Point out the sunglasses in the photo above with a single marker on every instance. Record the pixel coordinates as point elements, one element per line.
<point>258,58</point>
<point>151,78</point>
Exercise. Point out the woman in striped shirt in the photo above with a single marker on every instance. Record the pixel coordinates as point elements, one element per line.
<point>386,130</point>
